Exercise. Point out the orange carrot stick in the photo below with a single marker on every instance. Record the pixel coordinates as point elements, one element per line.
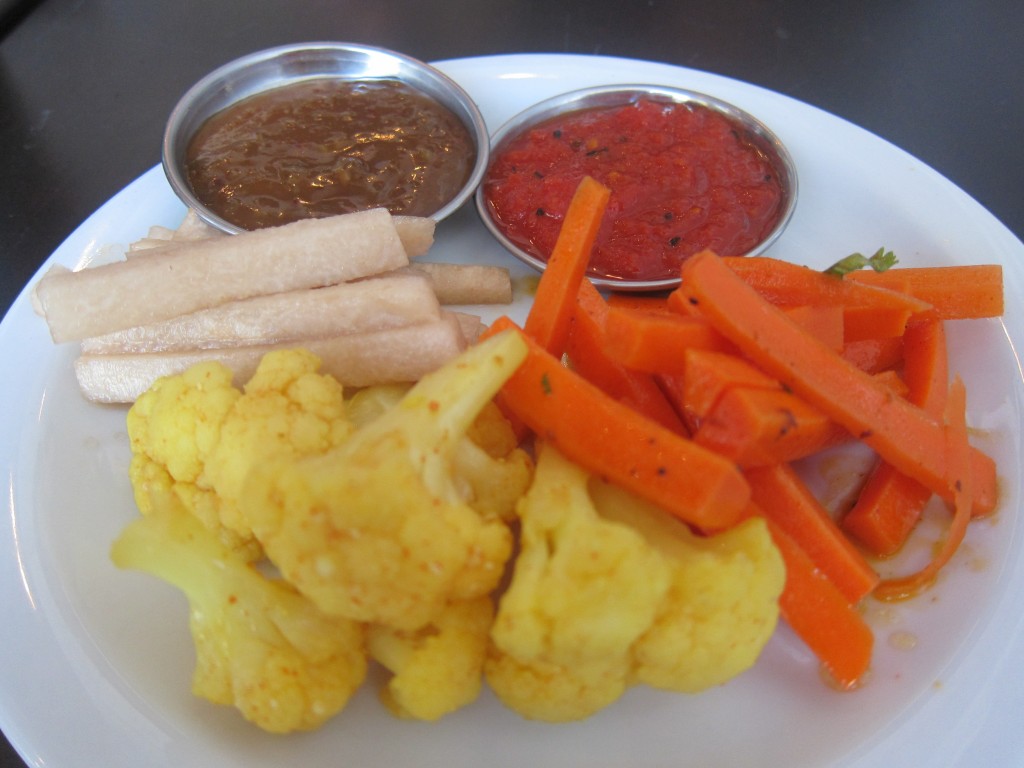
<point>755,427</point>
<point>555,298</point>
<point>821,616</point>
<point>641,302</point>
<point>886,511</point>
<point>890,503</point>
<point>610,440</point>
<point>959,455</point>
<point>588,357</point>
<point>956,292</point>
<point>926,366</point>
<point>826,322</point>
<point>785,284</point>
<point>874,355</point>
<point>707,375</point>
<point>759,425</point>
<point>784,499</point>
<point>678,304</point>
<point>860,323</point>
<point>657,343</point>
<point>903,434</point>
<point>673,386</point>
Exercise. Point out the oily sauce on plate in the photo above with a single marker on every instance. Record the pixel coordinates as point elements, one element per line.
<point>327,146</point>
<point>682,178</point>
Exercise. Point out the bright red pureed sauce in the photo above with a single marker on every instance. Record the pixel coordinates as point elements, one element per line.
<point>682,177</point>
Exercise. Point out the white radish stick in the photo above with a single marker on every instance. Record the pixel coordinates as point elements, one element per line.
<point>357,360</point>
<point>366,305</point>
<point>184,278</point>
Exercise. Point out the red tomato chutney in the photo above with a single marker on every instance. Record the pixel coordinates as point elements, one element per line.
<point>682,178</point>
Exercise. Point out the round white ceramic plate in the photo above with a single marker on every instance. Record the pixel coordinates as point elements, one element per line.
<point>97,662</point>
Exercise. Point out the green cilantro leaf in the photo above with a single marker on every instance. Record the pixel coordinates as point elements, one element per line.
<point>879,261</point>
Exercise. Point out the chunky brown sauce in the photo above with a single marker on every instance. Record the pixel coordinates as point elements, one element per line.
<point>326,146</point>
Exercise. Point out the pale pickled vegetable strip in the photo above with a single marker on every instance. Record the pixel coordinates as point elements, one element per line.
<point>357,360</point>
<point>467,283</point>
<point>370,305</point>
<point>193,227</point>
<point>195,275</point>
<point>472,325</point>
<point>416,234</point>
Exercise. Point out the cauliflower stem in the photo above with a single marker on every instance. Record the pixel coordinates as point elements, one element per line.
<point>260,645</point>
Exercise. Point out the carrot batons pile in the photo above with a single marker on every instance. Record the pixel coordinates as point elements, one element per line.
<point>700,401</point>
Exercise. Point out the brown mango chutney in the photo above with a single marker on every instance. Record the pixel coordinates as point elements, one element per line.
<point>327,146</point>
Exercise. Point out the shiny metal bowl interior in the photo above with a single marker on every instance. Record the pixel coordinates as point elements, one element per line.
<point>756,132</point>
<point>275,67</point>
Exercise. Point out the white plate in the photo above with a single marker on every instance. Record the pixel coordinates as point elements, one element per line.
<point>97,661</point>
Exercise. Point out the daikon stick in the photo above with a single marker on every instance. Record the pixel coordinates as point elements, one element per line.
<point>472,326</point>
<point>416,233</point>
<point>356,360</point>
<point>192,227</point>
<point>157,232</point>
<point>148,244</point>
<point>466,283</point>
<point>370,305</point>
<point>196,275</point>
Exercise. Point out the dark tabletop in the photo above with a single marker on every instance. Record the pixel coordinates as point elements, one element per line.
<point>85,87</point>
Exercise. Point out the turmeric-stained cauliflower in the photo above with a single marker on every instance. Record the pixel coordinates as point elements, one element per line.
<point>172,429</point>
<point>571,567</point>
<point>198,436</point>
<point>288,410</point>
<point>398,510</point>
<point>379,529</point>
<point>608,591</point>
<point>722,603</point>
<point>387,521</point>
<point>437,668</point>
<point>556,693</point>
<point>490,469</point>
<point>260,645</point>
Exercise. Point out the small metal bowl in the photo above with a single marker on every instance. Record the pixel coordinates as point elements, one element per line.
<point>752,130</point>
<point>275,67</point>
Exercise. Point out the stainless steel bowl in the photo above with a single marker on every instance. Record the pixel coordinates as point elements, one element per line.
<point>758,134</point>
<point>272,68</point>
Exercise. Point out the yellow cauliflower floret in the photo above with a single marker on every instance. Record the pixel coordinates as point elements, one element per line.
<point>172,429</point>
<point>492,483</point>
<point>721,607</point>
<point>197,436</point>
<point>437,668</point>
<point>556,693</point>
<point>260,645</point>
<point>288,410</point>
<point>608,591</point>
<point>378,529</point>
<point>368,404</point>
<point>176,423</point>
<point>573,567</point>
<point>492,471</point>
<point>493,432</point>
<point>583,590</point>
<point>389,518</point>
